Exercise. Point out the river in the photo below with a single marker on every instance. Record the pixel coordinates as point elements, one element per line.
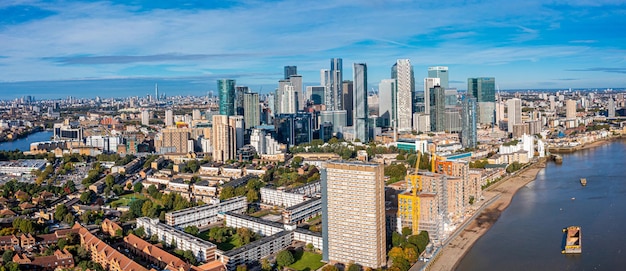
<point>23,144</point>
<point>528,236</point>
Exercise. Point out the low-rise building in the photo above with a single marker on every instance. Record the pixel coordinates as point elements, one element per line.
<point>58,260</point>
<point>203,215</point>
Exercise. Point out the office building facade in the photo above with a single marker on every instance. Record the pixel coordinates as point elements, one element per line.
<point>437,109</point>
<point>387,91</point>
<point>468,123</point>
<point>403,72</point>
<point>440,72</point>
<point>251,110</point>
<point>514,111</point>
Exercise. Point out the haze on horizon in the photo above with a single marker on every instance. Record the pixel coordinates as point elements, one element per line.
<point>112,47</point>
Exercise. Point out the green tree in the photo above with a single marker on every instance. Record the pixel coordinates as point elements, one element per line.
<point>401,263</point>
<point>118,189</point>
<point>396,253</point>
<point>242,267</point>
<point>7,256</point>
<point>354,267</point>
<point>193,230</point>
<point>148,209</point>
<point>406,231</point>
<point>252,196</point>
<point>266,265</point>
<point>140,232</point>
<point>135,208</point>
<point>138,187</point>
<point>86,197</point>
<point>109,180</point>
<point>69,219</point>
<point>62,243</point>
<point>330,267</point>
<point>284,258</point>
<point>60,212</point>
<point>227,192</point>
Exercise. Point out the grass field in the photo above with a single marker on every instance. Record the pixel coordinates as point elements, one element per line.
<point>307,261</point>
<point>229,244</point>
<point>125,200</point>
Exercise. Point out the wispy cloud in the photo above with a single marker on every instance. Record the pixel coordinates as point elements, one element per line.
<point>600,69</point>
<point>583,41</point>
<point>138,59</point>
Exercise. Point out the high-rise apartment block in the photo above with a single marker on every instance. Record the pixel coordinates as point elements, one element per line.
<point>335,83</point>
<point>169,117</point>
<point>145,117</point>
<point>403,72</point>
<point>224,139</point>
<point>514,111</point>
<point>469,136</point>
<point>440,72</point>
<point>570,109</point>
<point>226,90</point>
<point>353,220</point>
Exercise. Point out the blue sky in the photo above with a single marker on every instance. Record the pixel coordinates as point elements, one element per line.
<point>86,48</point>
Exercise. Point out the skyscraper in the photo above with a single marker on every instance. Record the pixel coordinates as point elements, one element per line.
<point>482,88</point>
<point>169,117</point>
<point>437,109</point>
<point>290,70</point>
<point>428,84</point>
<point>353,208</point>
<point>288,100</point>
<point>335,84</point>
<point>468,123</point>
<point>360,102</point>
<point>570,109</point>
<point>240,91</point>
<point>440,72</point>
<point>251,111</point>
<point>145,117</point>
<point>514,111</point>
<point>156,92</point>
<point>223,139</point>
<point>611,108</point>
<point>226,90</point>
<point>387,102</point>
<point>296,82</point>
<point>347,100</point>
<point>403,72</point>
<point>316,94</point>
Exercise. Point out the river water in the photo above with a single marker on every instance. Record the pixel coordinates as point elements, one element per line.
<point>23,144</point>
<point>528,234</point>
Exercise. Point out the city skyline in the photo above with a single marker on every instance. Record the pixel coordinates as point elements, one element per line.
<point>115,46</point>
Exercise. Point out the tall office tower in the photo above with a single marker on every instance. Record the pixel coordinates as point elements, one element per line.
<point>468,123</point>
<point>195,114</point>
<point>316,94</point>
<point>349,235</point>
<point>236,123</point>
<point>361,114</point>
<point>169,117</point>
<point>223,139</point>
<point>552,100</point>
<point>482,88</point>
<point>403,72</point>
<point>226,90</point>
<point>296,82</point>
<point>347,99</point>
<point>611,108</point>
<point>440,72</point>
<point>514,111</point>
<point>325,82</point>
<point>290,70</point>
<point>145,117</point>
<point>387,102</point>
<point>288,100</point>
<point>570,109</point>
<point>437,109</point>
<point>294,129</point>
<point>428,84</point>
<point>336,117</point>
<point>452,119</point>
<point>251,111</point>
<point>156,92</point>
<point>335,83</point>
<point>499,112</point>
<point>240,91</point>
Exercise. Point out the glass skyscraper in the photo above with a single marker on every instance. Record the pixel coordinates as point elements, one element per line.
<point>290,70</point>
<point>440,72</point>
<point>360,102</point>
<point>468,123</point>
<point>226,92</point>
<point>482,88</point>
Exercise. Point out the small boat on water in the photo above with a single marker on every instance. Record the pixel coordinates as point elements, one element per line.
<point>572,240</point>
<point>583,181</point>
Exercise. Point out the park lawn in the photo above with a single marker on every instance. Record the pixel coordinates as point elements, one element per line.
<point>306,261</point>
<point>125,200</point>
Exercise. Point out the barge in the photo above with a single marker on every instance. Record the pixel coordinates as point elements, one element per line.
<point>572,240</point>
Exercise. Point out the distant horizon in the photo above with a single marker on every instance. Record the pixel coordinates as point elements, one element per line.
<point>141,87</point>
<point>73,45</point>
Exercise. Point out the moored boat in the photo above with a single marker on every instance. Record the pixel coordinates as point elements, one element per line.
<point>583,181</point>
